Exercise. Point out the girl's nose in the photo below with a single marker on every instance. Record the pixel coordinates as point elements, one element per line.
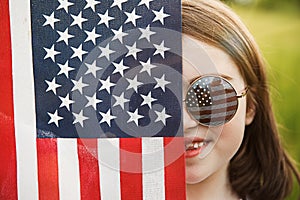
<point>188,121</point>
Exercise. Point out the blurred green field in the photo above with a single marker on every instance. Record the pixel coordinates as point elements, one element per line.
<point>278,35</point>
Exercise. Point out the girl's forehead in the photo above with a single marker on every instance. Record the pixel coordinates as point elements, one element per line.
<point>199,58</point>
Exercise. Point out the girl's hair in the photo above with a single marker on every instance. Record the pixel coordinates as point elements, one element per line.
<point>261,169</point>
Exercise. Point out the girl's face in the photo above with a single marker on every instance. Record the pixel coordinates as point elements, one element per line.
<point>221,142</point>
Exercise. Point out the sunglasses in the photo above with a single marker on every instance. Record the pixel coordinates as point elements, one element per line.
<point>212,100</point>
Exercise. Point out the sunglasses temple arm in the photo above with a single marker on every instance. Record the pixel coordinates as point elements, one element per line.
<point>243,93</point>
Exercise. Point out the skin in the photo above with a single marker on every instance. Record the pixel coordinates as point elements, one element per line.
<point>206,174</point>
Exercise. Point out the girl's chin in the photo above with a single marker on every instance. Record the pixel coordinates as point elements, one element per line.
<point>191,179</point>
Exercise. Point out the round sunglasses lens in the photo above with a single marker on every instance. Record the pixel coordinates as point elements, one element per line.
<point>211,100</point>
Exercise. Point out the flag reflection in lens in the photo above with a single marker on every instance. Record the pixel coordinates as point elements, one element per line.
<point>211,100</point>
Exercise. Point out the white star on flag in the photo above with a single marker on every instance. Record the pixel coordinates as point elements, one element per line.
<point>134,117</point>
<point>148,100</point>
<point>64,36</point>
<point>78,85</point>
<point>162,116</point>
<point>133,83</point>
<point>66,101</point>
<point>161,82</point>
<point>93,101</point>
<point>54,118</point>
<point>147,66</point>
<point>64,69</point>
<point>50,20</point>
<point>106,84</point>
<point>133,50</point>
<point>78,20</point>
<point>92,36</point>
<point>93,68</point>
<point>78,52</point>
<point>79,118</point>
<point>119,68</point>
<point>160,49</point>
<point>119,34</point>
<point>132,17</point>
<point>107,117</point>
<point>91,4</point>
<point>146,33</point>
<point>105,18</point>
<point>120,100</point>
<point>52,85</point>
<point>105,51</point>
<point>64,4</point>
<point>160,16</point>
<point>146,2</point>
<point>118,3</point>
<point>51,53</point>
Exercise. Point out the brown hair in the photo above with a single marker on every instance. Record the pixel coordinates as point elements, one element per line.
<point>261,169</point>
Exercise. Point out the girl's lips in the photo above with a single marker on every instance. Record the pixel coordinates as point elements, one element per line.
<point>194,146</point>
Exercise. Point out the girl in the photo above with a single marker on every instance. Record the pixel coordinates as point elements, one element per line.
<point>233,153</point>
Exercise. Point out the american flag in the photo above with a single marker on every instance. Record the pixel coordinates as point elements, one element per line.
<point>85,85</point>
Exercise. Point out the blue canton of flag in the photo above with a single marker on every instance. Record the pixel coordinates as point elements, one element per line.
<point>107,68</point>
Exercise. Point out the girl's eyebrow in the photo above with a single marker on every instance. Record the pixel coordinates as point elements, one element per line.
<point>222,75</point>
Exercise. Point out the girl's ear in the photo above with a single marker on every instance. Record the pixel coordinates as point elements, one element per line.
<point>251,106</point>
<point>250,114</point>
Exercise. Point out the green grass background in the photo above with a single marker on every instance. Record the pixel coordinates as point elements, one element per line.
<point>277,32</point>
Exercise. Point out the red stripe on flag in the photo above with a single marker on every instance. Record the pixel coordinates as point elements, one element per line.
<point>89,169</point>
<point>174,168</point>
<point>47,169</point>
<point>131,168</point>
<point>8,166</point>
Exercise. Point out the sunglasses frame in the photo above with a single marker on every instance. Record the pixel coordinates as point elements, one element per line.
<point>241,95</point>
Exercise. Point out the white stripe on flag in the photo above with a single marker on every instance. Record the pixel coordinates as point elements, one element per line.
<point>68,169</point>
<point>153,168</point>
<point>25,131</point>
<point>109,168</point>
